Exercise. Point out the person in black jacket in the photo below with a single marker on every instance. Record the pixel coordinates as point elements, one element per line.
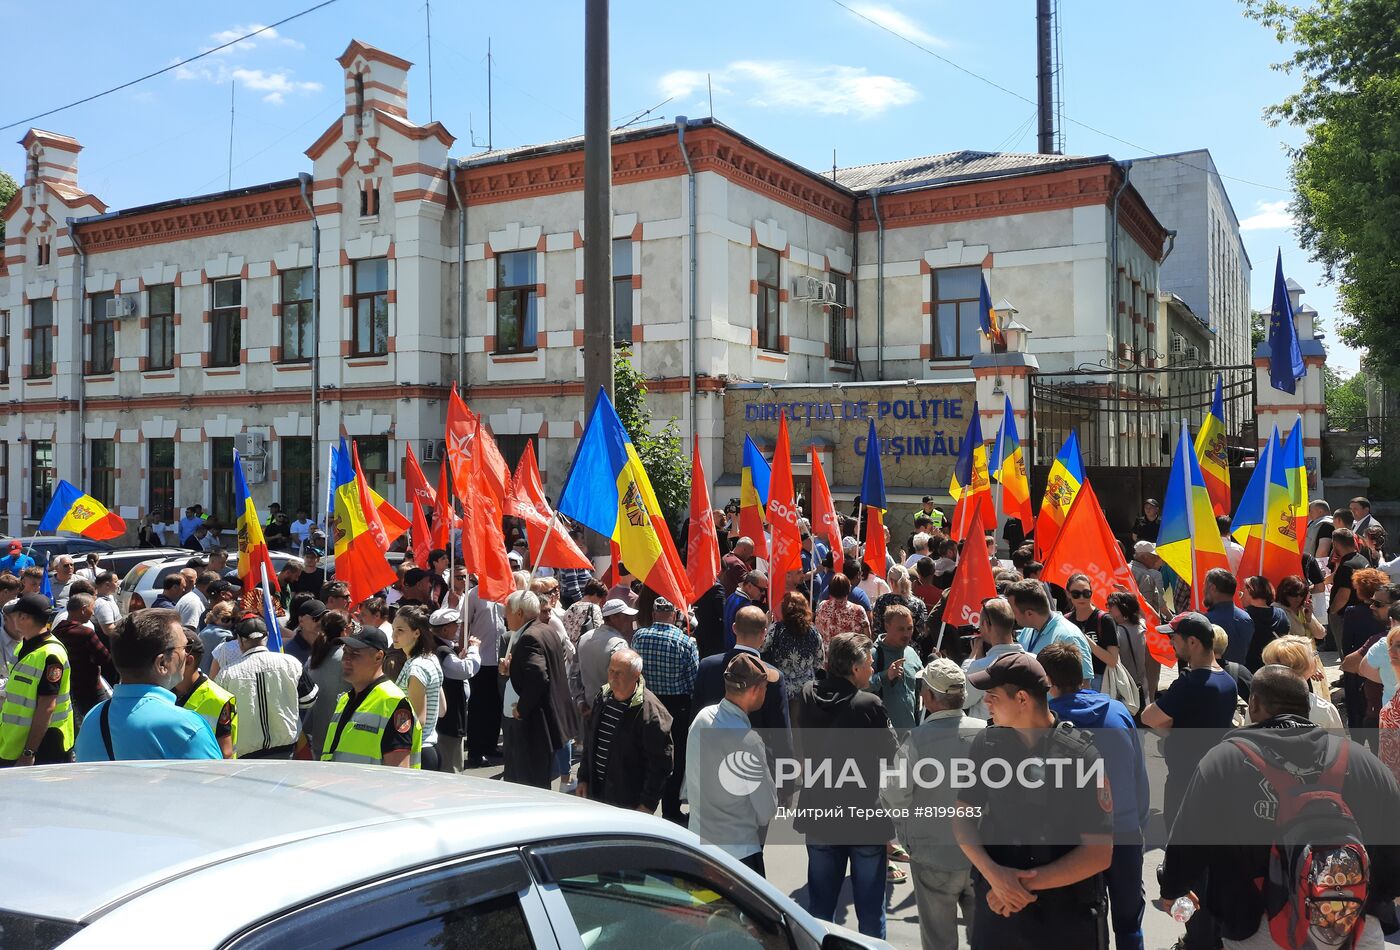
<point>1221,840</point>
<point>840,702</point>
<point>544,716</point>
<point>709,621</point>
<point>750,627</point>
<point>628,751</point>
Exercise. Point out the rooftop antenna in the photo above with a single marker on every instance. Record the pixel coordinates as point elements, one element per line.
<point>428,13</point>
<point>490,138</point>
<point>711,90</point>
<point>1048,109</point>
<point>833,164</point>
<point>232,87</point>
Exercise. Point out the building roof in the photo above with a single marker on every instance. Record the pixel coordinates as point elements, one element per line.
<point>949,167</point>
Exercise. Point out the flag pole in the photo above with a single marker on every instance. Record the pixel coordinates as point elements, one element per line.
<point>548,533</point>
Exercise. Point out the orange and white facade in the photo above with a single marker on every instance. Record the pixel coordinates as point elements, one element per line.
<point>135,346</point>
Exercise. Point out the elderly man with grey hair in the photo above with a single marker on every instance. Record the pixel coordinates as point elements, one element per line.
<point>628,750</point>
<point>540,715</point>
<point>942,873</point>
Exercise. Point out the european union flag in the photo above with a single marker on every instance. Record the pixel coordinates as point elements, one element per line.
<point>46,586</point>
<point>1285,359</point>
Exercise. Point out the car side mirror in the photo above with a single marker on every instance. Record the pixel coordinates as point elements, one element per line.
<point>838,942</point>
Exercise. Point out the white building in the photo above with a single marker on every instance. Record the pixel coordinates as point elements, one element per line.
<point>135,345</point>
<point>1208,267</point>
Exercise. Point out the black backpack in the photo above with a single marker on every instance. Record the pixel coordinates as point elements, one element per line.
<point>1318,883</point>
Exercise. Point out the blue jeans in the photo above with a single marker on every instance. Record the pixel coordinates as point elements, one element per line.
<point>826,870</point>
<point>1123,881</point>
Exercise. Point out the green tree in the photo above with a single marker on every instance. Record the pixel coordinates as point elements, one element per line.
<point>8,187</point>
<point>1258,329</point>
<point>1346,174</point>
<point>1345,399</point>
<point>662,454</point>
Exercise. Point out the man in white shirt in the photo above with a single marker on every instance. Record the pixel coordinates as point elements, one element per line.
<point>105,612</point>
<point>301,529</point>
<point>191,607</point>
<point>1234,551</point>
<point>998,636</point>
<point>269,689</point>
<point>920,550</point>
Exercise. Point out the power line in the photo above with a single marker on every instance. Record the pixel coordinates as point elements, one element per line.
<point>166,69</point>
<point>1011,92</point>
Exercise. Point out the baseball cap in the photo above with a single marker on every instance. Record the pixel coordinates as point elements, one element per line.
<point>943,675</point>
<point>1021,670</point>
<point>1144,547</point>
<point>314,609</point>
<point>252,628</point>
<point>445,617</point>
<point>1153,502</point>
<point>222,587</point>
<point>312,549</point>
<point>1190,624</point>
<point>15,546</point>
<point>662,605</point>
<point>368,638</point>
<point>927,499</point>
<point>746,671</point>
<point>515,558</point>
<point>618,606</point>
<point>35,605</point>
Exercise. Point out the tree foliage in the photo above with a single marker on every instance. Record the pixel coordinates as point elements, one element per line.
<point>662,454</point>
<point>8,187</point>
<point>1347,172</point>
<point>1345,399</point>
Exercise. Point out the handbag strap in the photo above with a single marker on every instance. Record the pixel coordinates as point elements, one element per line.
<point>105,721</point>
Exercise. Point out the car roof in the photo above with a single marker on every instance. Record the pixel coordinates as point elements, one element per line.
<point>159,823</point>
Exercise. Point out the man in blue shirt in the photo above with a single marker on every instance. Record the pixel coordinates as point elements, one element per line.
<point>753,589</point>
<point>1042,626</point>
<point>15,560</point>
<point>1221,610</point>
<point>141,720</point>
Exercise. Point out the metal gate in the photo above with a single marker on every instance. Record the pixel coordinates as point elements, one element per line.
<point>1127,420</point>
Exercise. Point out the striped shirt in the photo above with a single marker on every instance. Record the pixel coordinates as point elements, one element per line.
<point>670,659</point>
<point>428,671</point>
<point>608,721</point>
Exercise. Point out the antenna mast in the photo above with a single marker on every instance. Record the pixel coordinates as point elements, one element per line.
<point>428,13</point>
<point>232,87</point>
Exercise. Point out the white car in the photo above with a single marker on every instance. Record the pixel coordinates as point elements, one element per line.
<point>251,855</point>
<point>141,585</point>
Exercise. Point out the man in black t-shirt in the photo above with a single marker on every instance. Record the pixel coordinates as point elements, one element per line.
<point>1350,560</point>
<point>1147,525</point>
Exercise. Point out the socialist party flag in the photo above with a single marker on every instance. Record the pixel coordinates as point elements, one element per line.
<point>702,543</point>
<point>783,513</point>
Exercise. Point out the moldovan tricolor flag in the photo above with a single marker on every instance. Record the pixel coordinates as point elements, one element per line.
<point>1009,468</point>
<point>754,475</point>
<point>783,513</point>
<point>252,546</point>
<point>1295,469</point>
<point>73,510</point>
<point>1264,522</point>
<point>971,486</point>
<point>1211,453</point>
<point>608,490</point>
<point>825,523</point>
<point>1061,487</point>
<point>872,498</point>
<point>1086,545</point>
<point>972,582</point>
<point>702,542</point>
<point>359,554</point>
<point>1189,539</point>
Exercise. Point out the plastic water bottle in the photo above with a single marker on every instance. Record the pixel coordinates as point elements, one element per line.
<point>1183,908</point>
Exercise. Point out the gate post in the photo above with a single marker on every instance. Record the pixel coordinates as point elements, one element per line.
<point>1275,407</point>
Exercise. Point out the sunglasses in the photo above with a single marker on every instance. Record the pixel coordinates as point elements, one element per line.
<point>1377,605</point>
<point>1081,594</point>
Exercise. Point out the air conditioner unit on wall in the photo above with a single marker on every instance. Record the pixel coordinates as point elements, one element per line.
<point>806,287</point>
<point>434,450</point>
<point>250,444</point>
<point>826,291</point>
<point>123,306</point>
<point>1178,345</point>
<point>255,470</point>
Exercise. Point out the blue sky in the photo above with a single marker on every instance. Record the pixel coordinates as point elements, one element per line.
<point>803,77</point>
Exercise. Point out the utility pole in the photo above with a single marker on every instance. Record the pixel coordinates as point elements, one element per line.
<point>597,209</point>
<point>597,222</point>
<point>1044,79</point>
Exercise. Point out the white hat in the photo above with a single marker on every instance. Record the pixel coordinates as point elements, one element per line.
<point>618,606</point>
<point>515,559</point>
<point>1144,547</point>
<point>445,617</point>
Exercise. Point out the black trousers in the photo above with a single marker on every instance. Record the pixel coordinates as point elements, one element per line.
<point>679,708</point>
<point>484,713</point>
<point>1044,925</point>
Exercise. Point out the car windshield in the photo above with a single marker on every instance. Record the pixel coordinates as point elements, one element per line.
<point>34,933</point>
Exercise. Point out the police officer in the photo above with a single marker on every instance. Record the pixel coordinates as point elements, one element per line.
<point>1037,881</point>
<point>373,723</point>
<point>199,694</point>
<point>36,721</point>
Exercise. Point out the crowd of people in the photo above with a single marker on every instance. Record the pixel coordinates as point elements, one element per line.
<point>594,685</point>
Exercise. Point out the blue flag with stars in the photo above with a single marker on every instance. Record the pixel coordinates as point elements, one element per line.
<point>1285,359</point>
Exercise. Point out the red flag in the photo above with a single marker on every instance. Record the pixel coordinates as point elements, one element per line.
<point>462,428</point>
<point>972,582</point>
<point>484,543</point>
<point>1086,545</point>
<point>825,523</point>
<point>783,513</point>
<point>444,518</point>
<point>874,553</point>
<point>493,467</point>
<point>751,527</point>
<point>422,538</point>
<point>702,545</point>
<point>528,503</point>
<point>417,489</point>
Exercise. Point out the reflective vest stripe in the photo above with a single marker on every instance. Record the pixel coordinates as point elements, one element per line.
<point>208,700</point>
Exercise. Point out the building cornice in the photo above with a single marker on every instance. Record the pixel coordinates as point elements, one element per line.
<point>220,216</point>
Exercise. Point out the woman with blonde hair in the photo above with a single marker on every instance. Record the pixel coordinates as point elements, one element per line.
<point>1300,656</point>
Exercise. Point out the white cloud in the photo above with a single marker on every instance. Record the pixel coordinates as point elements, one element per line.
<point>276,84</point>
<point>891,19</point>
<point>812,87</point>
<point>268,36</point>
<point>1268,216</point>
